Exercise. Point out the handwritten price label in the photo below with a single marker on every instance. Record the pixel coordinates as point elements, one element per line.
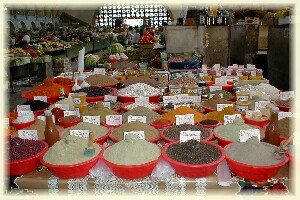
<point>282,115</point>
<point>110,98</point>
<point>23,108</point>
<point>181,98</point>
<point>106,104</point>
<point>228,119</point>
<point>41,98</point>
<point>190,135</point>
<point>132,118</point>
<point>220,81</point>
<point>179,105</point>
<point>62,106</point>
<point>214,88</point>
<point>141,99</point>
<point>99,71</point>
<point>91,119</point>
<point>228,73</point>
<point>175,90</point>
<point>211,95</point>
<point>194,99</point>
<point>85,134</point>
<point>241,66</point>
<point>25,113</point>
<point>185,119</point>
<point>247,134</point>
<point>242,98</point>
<point>286,95</point>
<point>169,99</point>
<point>77,101</point>
<point>261,104</point>
<point>69,113</point>
<point>28,134</point>
<point>221,107</point>
<point>241,108</point>
<point>140,134</point>
<point>113,119</point>
<point>253,73</point>
<point>192,91</point>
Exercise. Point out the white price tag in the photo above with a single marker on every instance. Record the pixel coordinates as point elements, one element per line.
<point>6,122</point>
<point>68,113</point>
<point>249,66</point>
<point>25,113</point>
<point>175,90</point>
<point>62,106</point>
<point>211,95</point>
<point>44,118</point>
<point>110,98</point>
<point>99,71</point>
<point>228,73</point>
<point>214,88</point>
<point>221,81</point>
<point>181,98</point>
<point>241,66</point>
<point>231,68</point>
<point>239,73</point>
<point>106,104</point>
<point>113,119</point>
<point>253,73</point>
<point>282,115</point>
<point>194,99</point>
<point>228,119</point>
<point>91,119</point>
<point>41,98</point>
<point>190,135</point>
<point>28,134</point>
<point>141,99</point>
<point>85,134</point>
<point>132,118</point>
<point>218,73</point>
<point>185,119</point>
<point>221,107</point>
<point>204,67</point>
<point>23,108</point>
<point>287,95</point>
<point>261,104</point>
<point>169,99</point>
<point>242,98</point>
<point>241,108</point>
<point>179,105</point>
<point>192,91</point>
<point>140,134</point>
<point>247,134</point>
<point>235,66</point>
<point>76,100</point>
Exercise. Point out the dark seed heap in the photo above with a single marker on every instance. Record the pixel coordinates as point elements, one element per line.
<point>20,149</point>
<point>194,152</point>
<point>173,132</point>
<point>209,122</point>
<point>95,91</point>
<point>37,105</point>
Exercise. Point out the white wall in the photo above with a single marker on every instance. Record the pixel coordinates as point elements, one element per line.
<point>16,21</point>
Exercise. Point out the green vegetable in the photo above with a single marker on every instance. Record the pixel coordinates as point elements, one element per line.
<point>116,48</point>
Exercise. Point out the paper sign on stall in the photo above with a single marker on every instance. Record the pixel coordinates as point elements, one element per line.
<point>185,119</point>
<point>25,113</point>
<point>110,98</point>
<point>282,115</point>
<point>179,105</point>
<point>141,99</point>
<point>113,119</point>
<point>221,81</point>
<point>247,134</point>
<point>41,98</point>
<point>228,119</point>
<point>190,135</point>
<point>6,122</point>
<point>99,71</point>
<point>287,95</point>
<point>28,134</point>
<point>241,108</point>
<point>140,134</point>
<point>81,133</point>
<point>132,118</point>
<point>261,104</point>
<point>91,119</point>
<point>62,106</point>
<point>68,113</point>
<point>106,104</point>
<point>215,88</point>
<point>221,107</point>
<point>23,108</point>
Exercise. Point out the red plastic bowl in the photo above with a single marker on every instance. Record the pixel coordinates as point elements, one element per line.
<point>131,172</point>
<point>103,139</point>
<point>252,172</point>
<point>157,126</point>
<point>71,171</point>
<point>223,142</point>
<point>227,87</point>
<point>110,126</point>
<point>168,140</point>
<point>260,123</point>
<point>207,109</point>
<point>284,108</point>
<point>123,107</point>
<point>193,171</point>
<point>68,124</point>
<point>99,98</point>
<point>27,165</point>
<point>115,140</point>
<point>36,113</point>
<point>50,100</point>
<point>20,126</point>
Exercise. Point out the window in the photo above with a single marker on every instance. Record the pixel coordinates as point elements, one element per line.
<point>152,15</point>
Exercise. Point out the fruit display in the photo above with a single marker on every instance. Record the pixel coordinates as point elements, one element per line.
<point>19,52</point>
<point>116,48</point>
<point>147,37</point>
<point>91,60</point>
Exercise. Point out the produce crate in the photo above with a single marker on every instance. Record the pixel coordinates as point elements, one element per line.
<point>146,46</point>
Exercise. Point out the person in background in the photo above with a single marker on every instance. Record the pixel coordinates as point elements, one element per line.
<point>26,38</point>
<point>136,35</point>
<point>11,40</point>
<point>129,35</point>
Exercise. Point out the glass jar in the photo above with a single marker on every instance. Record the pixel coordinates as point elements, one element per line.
<point>144,74</point>
<point>242,96</point>
<point>191,90</point>
<point>131,74</point>
<point>175,89</point>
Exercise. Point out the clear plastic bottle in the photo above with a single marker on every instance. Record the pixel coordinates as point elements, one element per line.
<point>51,132</point>
<point>272,132</point>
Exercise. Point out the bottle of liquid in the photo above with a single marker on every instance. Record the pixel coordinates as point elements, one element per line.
<point>51,132</point>
<point>61,94</point>
<point>272,130</point>
<point>204,95</point>
<point>201,83</point>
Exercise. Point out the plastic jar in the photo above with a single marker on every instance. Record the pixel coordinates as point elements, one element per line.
<point>242,96</point>
<point>191,90</point>
<point>79,98</point>
<point>175,89</point>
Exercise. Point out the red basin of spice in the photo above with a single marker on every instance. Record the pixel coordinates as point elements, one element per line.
<point>27,165</point>
<point>227,87</point>
<point>260,123</point>
<point>71,171</point>
<point>50,100</point>
<point>252,172</point>
<point>68,124</point>
<point>193,171</point>
<point>161,123</point>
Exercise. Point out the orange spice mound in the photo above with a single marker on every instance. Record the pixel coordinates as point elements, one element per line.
<point>49,88</point>
<point>183,110</point>
<point>62,81</point>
